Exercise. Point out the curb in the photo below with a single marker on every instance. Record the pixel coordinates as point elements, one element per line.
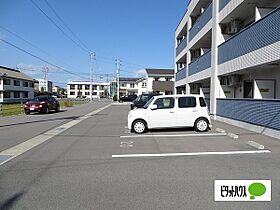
<point>255,145</point>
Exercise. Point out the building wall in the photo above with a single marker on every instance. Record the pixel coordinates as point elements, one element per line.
<point>82,89</point>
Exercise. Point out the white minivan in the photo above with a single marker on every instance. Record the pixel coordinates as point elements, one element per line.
<point>171,111</point>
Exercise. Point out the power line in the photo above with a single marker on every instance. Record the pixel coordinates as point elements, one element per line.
<point>63,22</point>
<point>39,58</point>
<point>50,19</point>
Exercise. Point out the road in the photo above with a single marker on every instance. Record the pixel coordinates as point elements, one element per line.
<point>87,166</point>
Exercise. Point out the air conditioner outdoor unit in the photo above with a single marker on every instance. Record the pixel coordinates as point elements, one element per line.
<point>234,80</point>
<point>234,26</point>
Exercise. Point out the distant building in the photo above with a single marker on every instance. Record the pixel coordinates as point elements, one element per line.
<point>15,86</point>
<point>160,81</point>
<point>76,89</point>
<point>128,86</point>
<point>44,86</point>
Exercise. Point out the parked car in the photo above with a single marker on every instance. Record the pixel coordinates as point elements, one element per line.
<point>171,111</point>
<point>42,104</point>
<point>141,100</point>
<point>128,98</point>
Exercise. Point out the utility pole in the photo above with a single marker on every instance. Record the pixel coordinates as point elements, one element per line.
<point>118,64</point>
<point>92,57</point>
<point>45,71</point>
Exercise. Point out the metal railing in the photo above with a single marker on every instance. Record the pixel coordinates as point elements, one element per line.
<point>223,3</point>
<point>201,63</point>
<point>201,22</point>
<point>181,46</point>
<point>262,33</point>
<point>181,74</point>
<point>262,112</point>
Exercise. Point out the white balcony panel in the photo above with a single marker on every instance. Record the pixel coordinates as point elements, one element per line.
<point>229,8</point>
<point>200,34</point>
<point>205,74</point>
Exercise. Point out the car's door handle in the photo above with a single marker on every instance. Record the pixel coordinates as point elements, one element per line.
<point>195,110</point>
<point>171,112</point>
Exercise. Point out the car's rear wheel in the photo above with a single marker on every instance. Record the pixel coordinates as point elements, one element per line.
<point>47,110</point>
<point>201,124</point>
<point>139,126</point>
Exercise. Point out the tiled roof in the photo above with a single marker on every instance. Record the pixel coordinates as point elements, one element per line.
<point>12,73</point>
<point>160,71</point>
<point>129,79</point>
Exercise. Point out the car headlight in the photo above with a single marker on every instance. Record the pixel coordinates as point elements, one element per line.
<point>40,105</point>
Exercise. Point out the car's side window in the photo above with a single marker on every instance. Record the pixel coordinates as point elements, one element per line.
<point>187,102</point>
<point>202,102</point>
<point>165,103</point>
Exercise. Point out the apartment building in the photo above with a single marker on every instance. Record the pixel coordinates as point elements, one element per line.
<point>229,50</point>
<point>81,89</point>
<point>43,85</point>
<point>128,86</point>
<point>15,86</point>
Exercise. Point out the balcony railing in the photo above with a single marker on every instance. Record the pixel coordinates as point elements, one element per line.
<point>181,46</point>
<point>201,22</point>
<point>264,113</point>
<point>201,63</point>
<point>181,74</point>
<point>262,33</point>
<point>223,3</point>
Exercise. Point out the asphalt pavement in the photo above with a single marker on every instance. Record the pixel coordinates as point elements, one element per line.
<point>88,165</point>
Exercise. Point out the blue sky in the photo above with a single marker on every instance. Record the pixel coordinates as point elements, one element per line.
<point>139,32</point>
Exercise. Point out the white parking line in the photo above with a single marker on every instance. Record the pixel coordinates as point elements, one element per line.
<point>176,135</point>
<point>37,140</point>
<point>191,154</point>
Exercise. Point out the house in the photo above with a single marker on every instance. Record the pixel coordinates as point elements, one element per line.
<point>128,86</point>
<point>15,86</point>
<point>76,89</point>
<point>228,51</point>
<point>160,81</point>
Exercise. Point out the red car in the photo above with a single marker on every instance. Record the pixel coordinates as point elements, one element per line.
<point>42,104</point>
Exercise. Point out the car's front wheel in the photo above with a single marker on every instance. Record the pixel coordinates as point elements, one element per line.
<point>139,126</point>
<point>47,110</point>
<point>27,112</point>
<point>201,124</point>
<point>57,109</point>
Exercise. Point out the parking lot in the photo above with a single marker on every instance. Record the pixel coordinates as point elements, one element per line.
<point>94,162</point>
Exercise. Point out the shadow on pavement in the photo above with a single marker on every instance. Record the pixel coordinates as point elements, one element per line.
<point>9,203</point>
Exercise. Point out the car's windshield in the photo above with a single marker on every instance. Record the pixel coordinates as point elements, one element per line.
<point>148,103</point>
<point>36,99</point>
<point>144,98</point>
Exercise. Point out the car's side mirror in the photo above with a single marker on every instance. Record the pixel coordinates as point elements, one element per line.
<point>153,107</point>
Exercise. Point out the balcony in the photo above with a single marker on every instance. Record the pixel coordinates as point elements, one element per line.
<point>258,112</point>
<point>181,74</point>
<point>223,3</point>
<point>258,35</point>
<point>201,63</point>
<point>181,46</point>
<point>201,22</point>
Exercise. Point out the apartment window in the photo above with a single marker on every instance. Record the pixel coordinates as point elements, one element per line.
<point>16,94</point>
<point>156,79</point>
<point>7,95</point>
<point>94,93</point>
<point>31,84</point>
<point>94,87</point>
<point>87,87</point>
<point>72,87</point>
<point>72,93</point>
<point>16,83</point>
<point>25,95</point>
<point>87,93</point>
<point>123,84</point>
<point>25,84</point>
<point>167,79</point>
<point>80,87</point>
<point>7,82</point>
<point>144,84</point>
<point>132,85</point>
